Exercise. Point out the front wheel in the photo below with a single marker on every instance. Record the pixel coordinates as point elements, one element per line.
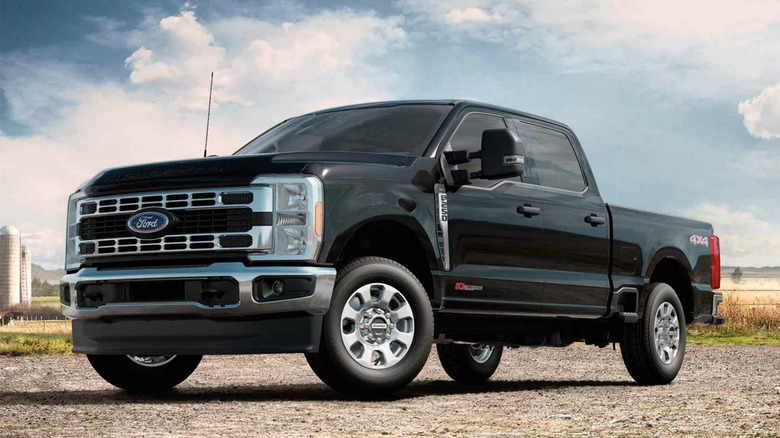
<point>469,363</point>
<point>377,335</point>
<point>654,347</point>
<point>144,374</point>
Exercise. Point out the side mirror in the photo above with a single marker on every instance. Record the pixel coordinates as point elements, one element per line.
<point>502,155</point>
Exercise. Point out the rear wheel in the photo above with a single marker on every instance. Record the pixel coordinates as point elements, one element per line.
<point>653,348</point>
<point>377,335</point>
<point>144,374</point>
<point>469,363</point>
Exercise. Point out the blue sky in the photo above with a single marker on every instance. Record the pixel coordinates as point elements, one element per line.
<point>676,103</point>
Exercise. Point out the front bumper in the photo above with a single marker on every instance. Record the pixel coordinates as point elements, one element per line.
<point>182,327</point>
<point>151,337</point>
<point>315,304</point>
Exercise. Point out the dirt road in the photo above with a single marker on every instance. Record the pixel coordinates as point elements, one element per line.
<point>722,391</point>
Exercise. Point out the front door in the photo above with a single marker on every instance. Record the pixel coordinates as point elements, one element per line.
<point>495,236</point>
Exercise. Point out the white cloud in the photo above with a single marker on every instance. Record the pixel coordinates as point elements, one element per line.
<point>746,237</point>
<point>762,113</point>
<point>470,15</point>
<point>715,50</point>
<point>264,72</point>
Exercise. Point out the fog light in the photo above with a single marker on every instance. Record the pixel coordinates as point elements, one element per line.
<point>278,287</point>
<point>282,288</point>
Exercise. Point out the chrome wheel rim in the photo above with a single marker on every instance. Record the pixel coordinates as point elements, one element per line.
<point>666,332</point>
<point>480,352</point>
<point>377,326</point>
<point>151,361</point>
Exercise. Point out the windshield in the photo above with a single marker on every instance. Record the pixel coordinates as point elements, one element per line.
<point>402,129</point>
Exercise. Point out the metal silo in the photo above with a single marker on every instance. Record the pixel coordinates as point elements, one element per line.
<point>25,295</point>
<point>10,267</point>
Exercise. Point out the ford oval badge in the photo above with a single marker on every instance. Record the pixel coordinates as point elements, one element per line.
<point>148,223</point>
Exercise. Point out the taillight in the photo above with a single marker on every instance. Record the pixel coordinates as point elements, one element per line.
<point>715,261</point>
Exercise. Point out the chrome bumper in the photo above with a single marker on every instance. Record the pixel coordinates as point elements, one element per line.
<point>315,304</point>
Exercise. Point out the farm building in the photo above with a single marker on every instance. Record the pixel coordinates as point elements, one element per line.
<point>15,270</point>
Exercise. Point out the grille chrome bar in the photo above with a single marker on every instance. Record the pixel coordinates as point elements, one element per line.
<point>181,242</point>
<point>191,221</point>
<point>205,218</point>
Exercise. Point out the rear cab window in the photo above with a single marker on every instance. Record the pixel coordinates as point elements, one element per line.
<point>550,160</point>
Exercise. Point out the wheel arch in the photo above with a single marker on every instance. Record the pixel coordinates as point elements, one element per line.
<point>670,266</point>
<point>398,238</point>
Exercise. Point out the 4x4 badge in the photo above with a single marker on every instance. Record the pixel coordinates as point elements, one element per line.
<point>697,240</point>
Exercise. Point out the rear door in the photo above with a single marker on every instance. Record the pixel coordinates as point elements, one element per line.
<point>576,222</point>
<point>494,249</point>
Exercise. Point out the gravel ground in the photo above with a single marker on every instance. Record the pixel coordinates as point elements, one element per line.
<point>721,391</point>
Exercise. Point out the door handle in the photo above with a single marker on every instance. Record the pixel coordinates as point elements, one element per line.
<point>527,210</point>
<point>594,220</point>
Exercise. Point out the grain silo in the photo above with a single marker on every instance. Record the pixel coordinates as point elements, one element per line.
<point>10,267</point>
<point>25,295</point>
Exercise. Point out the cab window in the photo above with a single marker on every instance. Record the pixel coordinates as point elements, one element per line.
<point>469,137</point>
<point>550,160</point>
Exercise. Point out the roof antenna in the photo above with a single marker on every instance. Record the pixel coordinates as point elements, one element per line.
<point>208,117</point>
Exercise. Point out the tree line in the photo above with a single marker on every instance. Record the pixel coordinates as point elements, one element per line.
<point>43,289</point>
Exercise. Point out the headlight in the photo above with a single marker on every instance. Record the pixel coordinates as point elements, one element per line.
<point>291,197</point>
<point>297,224</point>
<point>71,231</point>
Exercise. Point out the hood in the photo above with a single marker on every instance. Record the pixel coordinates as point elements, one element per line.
<point>234,170</point>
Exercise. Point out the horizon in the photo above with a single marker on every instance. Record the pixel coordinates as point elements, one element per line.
<point>677,113</point>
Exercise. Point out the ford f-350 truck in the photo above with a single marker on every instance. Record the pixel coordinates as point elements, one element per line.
<point>361,235</point>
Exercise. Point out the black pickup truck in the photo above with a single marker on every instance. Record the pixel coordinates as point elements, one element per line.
<point>361,235</point>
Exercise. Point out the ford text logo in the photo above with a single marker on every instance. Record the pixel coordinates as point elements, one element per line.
<point>148,223</point>
<point>378,326</point>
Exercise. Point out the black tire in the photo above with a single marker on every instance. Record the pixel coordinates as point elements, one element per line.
<point>334,365</point>
<point>124,373</point>
<point>638,346</point>
<point>459,363</point>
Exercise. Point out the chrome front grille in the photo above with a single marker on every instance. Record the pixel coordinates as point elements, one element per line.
<point>168,201</point>
<point>191,221</point>
<point>207,220</point>
<point>167,243</point>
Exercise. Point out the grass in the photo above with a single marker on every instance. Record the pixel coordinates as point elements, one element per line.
<point>34,344</point>
<point>46,300</point>
<point>727,338</point>
<point>62,327</point>
<point>747,323</point>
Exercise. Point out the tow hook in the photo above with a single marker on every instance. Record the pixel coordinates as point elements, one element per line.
<point>207,295</point>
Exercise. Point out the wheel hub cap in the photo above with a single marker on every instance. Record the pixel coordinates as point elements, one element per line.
<point>480,352</point>
<point>377,326</point>
<point>151,361</point>
<point>666,332</point>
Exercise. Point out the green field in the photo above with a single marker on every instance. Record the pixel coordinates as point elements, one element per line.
<point>34,344</point>
<point>46,300</point>
<point>717,336</point>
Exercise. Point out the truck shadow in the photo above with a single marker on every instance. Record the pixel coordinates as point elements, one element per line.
<point>292,392</point>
